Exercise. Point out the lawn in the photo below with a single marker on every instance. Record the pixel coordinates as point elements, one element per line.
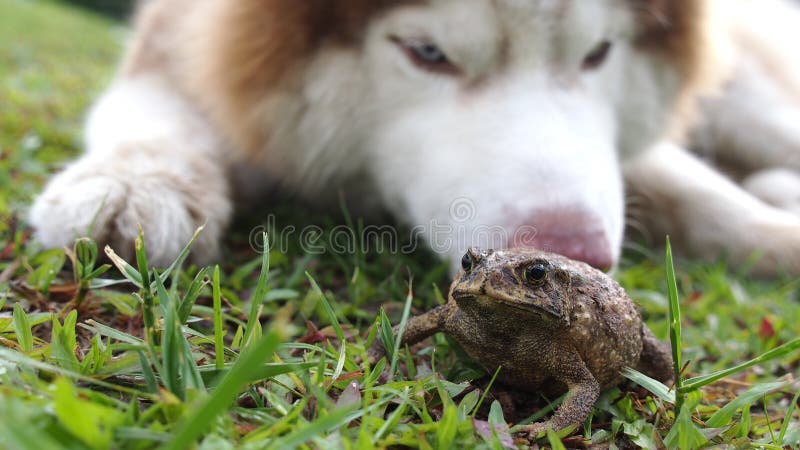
<point>264,350</point>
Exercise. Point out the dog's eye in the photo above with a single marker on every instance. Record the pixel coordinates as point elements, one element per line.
<point>427,56</point>
<point>536,274</point>
<point>597,56</point>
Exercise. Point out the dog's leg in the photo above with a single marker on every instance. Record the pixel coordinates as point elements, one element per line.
<point>151,160</point>
<point>674,192</point>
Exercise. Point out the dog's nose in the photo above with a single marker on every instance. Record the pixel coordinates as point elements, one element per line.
<point>572,236</point>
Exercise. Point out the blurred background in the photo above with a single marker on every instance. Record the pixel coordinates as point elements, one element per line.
<point>119,9</point>
<point>56,56</point>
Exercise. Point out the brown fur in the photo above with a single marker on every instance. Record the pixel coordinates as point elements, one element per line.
<point>258,46</point>
<point>229,55</point>
<point>674,29</point>
<point>679,32</point>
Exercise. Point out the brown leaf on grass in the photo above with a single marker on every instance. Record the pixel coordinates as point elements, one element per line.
<point>313,335</point>
<point>694,297</point>
<point>68,290</point>
<point>8,250</point>
<point>350,376</point>
<point>766,330</point>
<point>246,428</point>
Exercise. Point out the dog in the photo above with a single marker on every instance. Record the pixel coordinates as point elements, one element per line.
<point>540,115</point>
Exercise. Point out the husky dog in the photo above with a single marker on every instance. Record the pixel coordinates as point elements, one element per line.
<point>541,113</point>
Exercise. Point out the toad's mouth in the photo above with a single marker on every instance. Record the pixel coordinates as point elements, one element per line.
<point>487,302</point>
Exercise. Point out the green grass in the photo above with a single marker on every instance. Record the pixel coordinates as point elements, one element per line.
<point>264,351</point>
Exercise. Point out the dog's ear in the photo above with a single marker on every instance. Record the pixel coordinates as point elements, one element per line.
<point>675,29</point>
<point>680,32</point>
<point>251,47</point>
<point>675,16</point>
<point>652,13</point>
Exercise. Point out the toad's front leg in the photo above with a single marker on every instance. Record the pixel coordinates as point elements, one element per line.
<point>583,391</point>
<point>417,329</point>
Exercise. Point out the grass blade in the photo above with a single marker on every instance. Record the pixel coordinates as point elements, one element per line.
<point>787,420</point>
<point>25,361</point>
<point>387,334</point>
<point>190,371</point>
<point>127,270</point>
<point>340,362</point>
<point>674,325</point>
<point>62,342</point>
<point>182,255</point>
<point>654,386</point>
<point>337,327</point>
<point>171,346</point>
<point>233,382</point>
<point>113,333</point>
<point>777,352</point>
<point>141,261</point>
<point>148,315</point>
<point>219,333</point>
<point>259,295</point>
<point>22,328</point>
<point>148,374</point>
<point>15,429</point>
<point>554,440</point>
<point>199,282</point>
<point>335,419</point>
<point>684,434</point>
<point>400,331</point>
<point>725,414</point>
<point>486,392</point>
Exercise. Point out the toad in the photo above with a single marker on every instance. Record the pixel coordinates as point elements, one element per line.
<point>552,325</point>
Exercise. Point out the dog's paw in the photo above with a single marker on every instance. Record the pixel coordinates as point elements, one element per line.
<point>110,205</point>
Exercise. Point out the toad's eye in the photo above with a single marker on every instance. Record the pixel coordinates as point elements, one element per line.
<point>426,55</point>
<point>597,56</point>
<point>467,262</point>
<point>536,274</point>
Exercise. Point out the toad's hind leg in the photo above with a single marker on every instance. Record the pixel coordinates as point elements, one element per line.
<point>655,360</point>
<point>583,392</point>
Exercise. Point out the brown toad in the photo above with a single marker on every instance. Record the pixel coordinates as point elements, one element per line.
<point>553,325</point>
